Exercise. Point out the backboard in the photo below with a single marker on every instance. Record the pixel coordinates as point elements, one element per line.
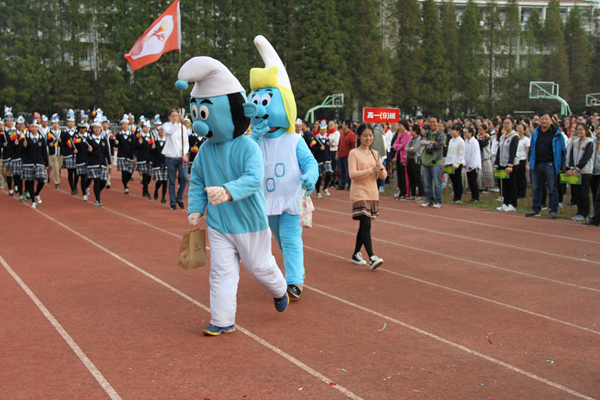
<point>592,99</point>
<point>543,90</point>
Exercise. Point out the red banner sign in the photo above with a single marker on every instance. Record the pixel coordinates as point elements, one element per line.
<point>382,115</point>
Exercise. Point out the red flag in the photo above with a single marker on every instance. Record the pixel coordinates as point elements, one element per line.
<point>162,36</point>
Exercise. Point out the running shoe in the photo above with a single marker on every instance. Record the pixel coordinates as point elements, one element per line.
<point>33,205</point>
<point>553,214</point>
<point>427,205</point>
<point>510,208</point>
<point>501,208</point>
<point>98,204</point>
<point>85,197</point>
<point>326,192</point>
<point>11,192</point>
<point>294,292</point>
<point>437,205</point>
<point>21,199</point>
<point>282,303</point>
<point>212,330</point>
<point>533,214</point>
<point>375,262</point>
<point>358,259</point>
<point>578,218</point>
<point>38,199</point>
<point>319,196</point>
<point>28,195</point>
<point>127,191</point>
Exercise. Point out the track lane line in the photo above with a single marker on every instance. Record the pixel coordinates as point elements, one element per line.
<point>472,238</point>
<point>464,208</point>
<point>455,345</point>
<point>76,349</point>
<point>268,345</point>
<point>469,295</point>
<point>304,366</point>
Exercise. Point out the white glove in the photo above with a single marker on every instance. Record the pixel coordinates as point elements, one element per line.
<point>217,195</point>
<point>194,218</point>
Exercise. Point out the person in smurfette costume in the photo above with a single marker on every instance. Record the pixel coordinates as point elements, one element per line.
<point>226,181</point>
<point>289,165</point>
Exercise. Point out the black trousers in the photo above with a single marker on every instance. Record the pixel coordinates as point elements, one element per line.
<point>522,180</point>
<point>457,185</point>
<point>582,195</point>
<point>99,184</point>
<point>363,237</point>
<point>401,172</point>
<point>326,184</point>
<point>594,184</point>
<point>414,178</point>
<point>509,187</point>
<point>473,185</point>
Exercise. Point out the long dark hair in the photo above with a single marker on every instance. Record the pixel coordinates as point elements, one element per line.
<point>362,127</point>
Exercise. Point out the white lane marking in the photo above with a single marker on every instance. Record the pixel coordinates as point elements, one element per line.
<point>454,235</point>
<point>466,260</point>
<point>464,208</point>
<point>280,352</point>
<point>304,366</point>
<point>76,349</point>
<point>468,294</point>
<point>455,345</point>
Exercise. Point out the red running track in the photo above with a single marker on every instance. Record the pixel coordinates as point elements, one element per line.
<point>469,304</point>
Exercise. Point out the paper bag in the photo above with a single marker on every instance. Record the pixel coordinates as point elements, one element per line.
<point>192,253</point>
<point>306,209</point>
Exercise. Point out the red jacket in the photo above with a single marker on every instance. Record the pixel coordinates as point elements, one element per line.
<point>347,143</point>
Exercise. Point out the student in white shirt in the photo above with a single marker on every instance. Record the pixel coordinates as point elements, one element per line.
<point>175,150</point>
<point>456,158</point>
<point>334,139</point>
<point>472,162</point>
<point>522,153</point>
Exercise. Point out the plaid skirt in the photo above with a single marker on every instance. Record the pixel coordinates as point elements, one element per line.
<point>16,167</point>
<point>81,169</point>
<point>69,162</point>
<point>325,167</point>
<point>124,164</point>
<point>144,168</point>
<point>369,208</point>
<point>34,172</point>
<point>98,172</point>
<point>160,173</point>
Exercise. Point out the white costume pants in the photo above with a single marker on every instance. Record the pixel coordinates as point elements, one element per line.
<point>226,251</point>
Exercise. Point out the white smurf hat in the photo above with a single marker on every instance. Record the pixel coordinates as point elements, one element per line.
<point>210,76</point>
<point>125,118</point>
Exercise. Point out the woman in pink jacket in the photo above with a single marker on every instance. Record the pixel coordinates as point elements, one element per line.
<point>400,146</point>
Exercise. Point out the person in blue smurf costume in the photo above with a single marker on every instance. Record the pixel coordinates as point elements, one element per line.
<point>289,165</point>
<point>226,181</point>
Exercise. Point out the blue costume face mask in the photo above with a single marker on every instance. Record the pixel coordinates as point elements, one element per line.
<point>212,118</point>
<point>270,107</point>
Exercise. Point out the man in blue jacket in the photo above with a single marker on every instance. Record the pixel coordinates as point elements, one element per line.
<point>546,160</point>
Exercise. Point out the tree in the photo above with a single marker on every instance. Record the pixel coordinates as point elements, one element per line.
<point>579,58</point>
<point>556,61</point>
<point>512,30</point>
<point>493,36</point>
<point>450,35</point>
<point>471,64</point>
<point>434,89</point>
<point>409,54</point>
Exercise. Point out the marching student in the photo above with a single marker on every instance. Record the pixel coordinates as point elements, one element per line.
<point>54,157</point>
<point>320,148</point>
<point>67,149</point>
<point>16,163</point>
<point>2,146</point>
<point>44,128</point>
<point>81,158</point>
<point>159,166</point>
<point>110,140</point>
<point>9,129</point>
<point>124,141</point>
<point>141,149</point>
<point>99,160</point>
<point>35,162</point>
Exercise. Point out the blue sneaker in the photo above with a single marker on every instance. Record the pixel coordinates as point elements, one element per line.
<point>282,304</point>
<point>212,330</point>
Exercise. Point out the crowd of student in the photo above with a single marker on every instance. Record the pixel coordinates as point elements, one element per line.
<point>483,154</point>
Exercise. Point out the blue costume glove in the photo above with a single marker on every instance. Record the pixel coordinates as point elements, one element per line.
<point>306,181</point>
<point>259,130</point>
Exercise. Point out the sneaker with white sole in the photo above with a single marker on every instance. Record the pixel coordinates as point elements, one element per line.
<point>11,192</point>
<point>501,208</point>
<point>375,262</point>
<point>85,197</point>
<point>319,196</point>
<point>427,205</point>
<point>38,199</point>
<point>381,189</point>
<point>533,214</point>
<point>437,205</point>
<point>98,204</point>
<point>510,208</point>
<point>494,190</point>
<point>34,205</point>
<point>326,192</point>
<point>87,191</point>
<point>578,218</point>
<point>358,259</point>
